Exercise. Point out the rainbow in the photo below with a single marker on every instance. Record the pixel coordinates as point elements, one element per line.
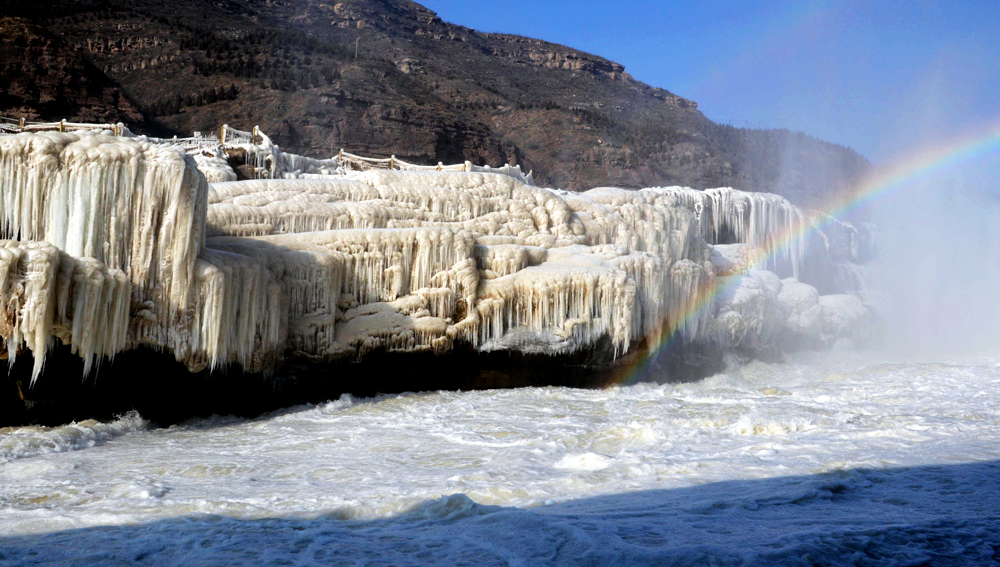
<point>912,167</point>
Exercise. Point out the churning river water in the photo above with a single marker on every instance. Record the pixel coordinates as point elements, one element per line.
<point>835,458</point>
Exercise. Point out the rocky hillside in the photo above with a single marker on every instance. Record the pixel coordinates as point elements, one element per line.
<point>382,77</point>
<point>45,78</point>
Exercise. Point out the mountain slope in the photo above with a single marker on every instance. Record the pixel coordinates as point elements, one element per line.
<point>44,78</point>
<point>384,77</point>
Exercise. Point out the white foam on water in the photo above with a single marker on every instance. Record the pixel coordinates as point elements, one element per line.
<point>504,476</point>
<point>583,462</point>
<point>23,442</point>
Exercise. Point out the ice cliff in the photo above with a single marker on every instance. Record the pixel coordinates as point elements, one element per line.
<point>113,243</point>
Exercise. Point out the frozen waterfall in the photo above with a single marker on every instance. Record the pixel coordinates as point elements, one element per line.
<point>115,243</point>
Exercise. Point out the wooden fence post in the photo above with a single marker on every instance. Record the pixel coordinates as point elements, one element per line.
<point>392,162</point>
<point>22,124</point>
<point>62,124</point>
<point>224,126</point>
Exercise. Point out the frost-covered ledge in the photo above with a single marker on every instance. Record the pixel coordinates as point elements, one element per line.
<point>116,243</point>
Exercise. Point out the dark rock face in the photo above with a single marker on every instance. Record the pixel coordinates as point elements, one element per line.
<point>168,393</point>
<point>44,78</point>
<point>382,77</point>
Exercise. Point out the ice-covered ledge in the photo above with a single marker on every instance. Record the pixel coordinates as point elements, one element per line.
<point>115,244</point>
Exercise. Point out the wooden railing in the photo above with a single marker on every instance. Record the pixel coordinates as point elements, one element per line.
<point>192,143</point>
<point>18,125</point>
<point>231,137</point>
<point>360,162</point>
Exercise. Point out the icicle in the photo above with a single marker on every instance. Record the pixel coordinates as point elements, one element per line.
<point>560,306</point>
<point>130,205</point>
<point>144,252</point>
<point>48,293</point>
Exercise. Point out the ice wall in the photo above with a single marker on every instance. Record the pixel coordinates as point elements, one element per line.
<point>129,206</point>
<point>116,243</point>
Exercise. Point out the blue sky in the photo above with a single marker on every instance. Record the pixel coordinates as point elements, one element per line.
<point>880,77</point>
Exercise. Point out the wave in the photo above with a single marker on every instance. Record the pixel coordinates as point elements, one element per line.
<point>23,442</point>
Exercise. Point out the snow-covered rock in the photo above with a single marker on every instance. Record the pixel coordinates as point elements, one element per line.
<point>118,242</point>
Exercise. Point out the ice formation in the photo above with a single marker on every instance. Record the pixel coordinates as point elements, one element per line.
<point>215,168</point>
<point>121,242</point>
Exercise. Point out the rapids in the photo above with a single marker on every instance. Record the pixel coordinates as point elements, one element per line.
<point>772,460</point>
